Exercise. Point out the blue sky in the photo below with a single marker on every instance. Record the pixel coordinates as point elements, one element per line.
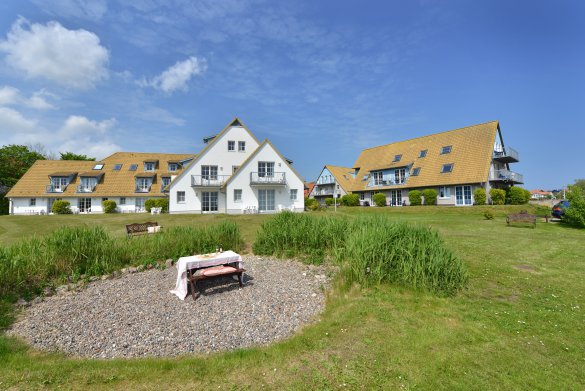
<point>321,79</point>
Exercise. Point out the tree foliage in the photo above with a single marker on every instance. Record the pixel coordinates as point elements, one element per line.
<point>350,200</point>
<point>575,213</point>
<point>61,207</point>
<point>15,160</point>
<point>74,156</point>
<point>498,196</point>
<point>517,196</point>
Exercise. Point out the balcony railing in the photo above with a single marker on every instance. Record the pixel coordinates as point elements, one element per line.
<point>508,155</point>
<point>325,181</point>
<point>385,182</point>
<point>85,189</point>
<point>208,180</point>
<point>142,189</point>
<point>261,178</point>
<point>322,192</point>
<point>55,189</point>
<point>507,176</point>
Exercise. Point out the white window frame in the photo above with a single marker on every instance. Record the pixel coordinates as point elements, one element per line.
<point>209,173</point>
<point>293,194</point>
<point>241,146</point>
<point>231,146</point>
<point>173,167</point>
<point>149,166</point>
<point>266,169</point>
<point>32,202</point>
<point>180,197</point>
<point>399,176</point>
<point>446,191</point>
<point>378,178</point>
<point>237,195</point>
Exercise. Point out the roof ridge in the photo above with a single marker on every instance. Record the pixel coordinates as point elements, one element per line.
<point>432,134</point>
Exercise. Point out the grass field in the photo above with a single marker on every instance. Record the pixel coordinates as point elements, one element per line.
<point>519,325</point>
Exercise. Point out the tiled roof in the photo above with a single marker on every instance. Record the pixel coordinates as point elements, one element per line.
<point>342,176</point>
<point>471,155</point>
<point>113,183</point>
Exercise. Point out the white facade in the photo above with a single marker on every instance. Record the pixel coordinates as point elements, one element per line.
<point>43,205</point>
<point>226,178</point>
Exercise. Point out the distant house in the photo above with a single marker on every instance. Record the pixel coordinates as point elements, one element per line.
<point>454,163</point>
<point>308,188</point>
<point>541,195</point>
<point>234,173</point>
<point>333,181</point>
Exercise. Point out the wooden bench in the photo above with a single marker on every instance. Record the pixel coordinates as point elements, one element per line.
<point>140,228</point>
<point>194,275</point>
<point>522,217</point>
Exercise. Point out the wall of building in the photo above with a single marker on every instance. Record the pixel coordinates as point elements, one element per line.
<point>21,206</point>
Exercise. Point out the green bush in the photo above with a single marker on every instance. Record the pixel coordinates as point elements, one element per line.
<point>329,201</point>
<point>498,196</point>
<point>29,265</point>
<point>517,196</point>
<point>157,203</point>
<point>380,199</point>
<point>488,215</point>
<point>61,207</point>
<point>575,213</point>
<point>109,206</point>
<point>479,196</point>
<point>430,196</point>
<point>350,200</point>
<point>370,250</point>
<point>414,197</point>
<point>311,204</point>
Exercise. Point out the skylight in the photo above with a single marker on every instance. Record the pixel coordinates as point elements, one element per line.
<point>397,158</point>
<point>117,167</point>
<point>446,149</point>
<point>98,166</point>
<point>423,153</point>
<point>447,168</point>
<point>416,171</point>
<point>133,167</point>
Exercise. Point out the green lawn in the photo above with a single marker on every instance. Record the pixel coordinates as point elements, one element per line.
<point>519,325</point>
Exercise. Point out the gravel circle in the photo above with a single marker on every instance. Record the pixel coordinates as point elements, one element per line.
<point>135,315</point>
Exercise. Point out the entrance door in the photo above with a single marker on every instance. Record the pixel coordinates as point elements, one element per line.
<point>209,202</point>
<point>463,195</point>
<point>266,200</point>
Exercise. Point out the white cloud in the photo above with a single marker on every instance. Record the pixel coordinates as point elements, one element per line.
<point>77,134</point>
<point>83,9</point>
<point>71,58</point>
<point>10,96</point>
<point>177,76</point>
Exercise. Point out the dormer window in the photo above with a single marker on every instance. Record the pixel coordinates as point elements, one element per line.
<point>423,153</point>
<point>231,146</point>
<point>98,166</point>
<point>447,168</point>
<point>446,149</point>
<point>173,167</point>
<point>397,158</point>
<point>149,166</point>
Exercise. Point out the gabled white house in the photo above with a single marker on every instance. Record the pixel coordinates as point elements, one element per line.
<point>235,173</point>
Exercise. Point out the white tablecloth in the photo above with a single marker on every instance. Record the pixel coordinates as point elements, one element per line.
<point>199,261</point>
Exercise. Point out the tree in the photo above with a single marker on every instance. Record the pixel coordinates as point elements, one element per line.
<point>74,156</point>
<point>15,160</point>
<point>580,183</point>
<point>575,213</point>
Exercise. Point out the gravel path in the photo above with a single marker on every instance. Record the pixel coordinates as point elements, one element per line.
<point>136,316</point>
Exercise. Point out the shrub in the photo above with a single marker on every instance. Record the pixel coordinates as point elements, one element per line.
<point>479,196</point>
<point>488,215</point>
<point>61,207</point>
<point>414,197</point>
<point>380,199</point>
<point>311,204</point>
<point>350,200</point>
<point>329,201</point>
<point>109,206</point>
<point>575,213</point>
<point>430,196</point>
<point>157,203</point>
<point>498,196</point>
<point>517,196</point>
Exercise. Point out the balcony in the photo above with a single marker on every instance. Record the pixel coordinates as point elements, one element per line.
<point>506,155</point>
<point>385,182</point>
<point>85,189</point>
<point>142,189</point>
<point>208,180</point>
<point>322,192</point>
<point>55,189</point>
<point>270,179</point>
<point>325,181</point>
<point>507,176</point>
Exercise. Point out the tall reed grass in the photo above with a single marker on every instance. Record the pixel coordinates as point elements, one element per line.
<point>31,264</point>
<point>370,249</point>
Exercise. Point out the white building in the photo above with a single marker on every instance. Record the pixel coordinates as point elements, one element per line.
<point>235,173</point>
